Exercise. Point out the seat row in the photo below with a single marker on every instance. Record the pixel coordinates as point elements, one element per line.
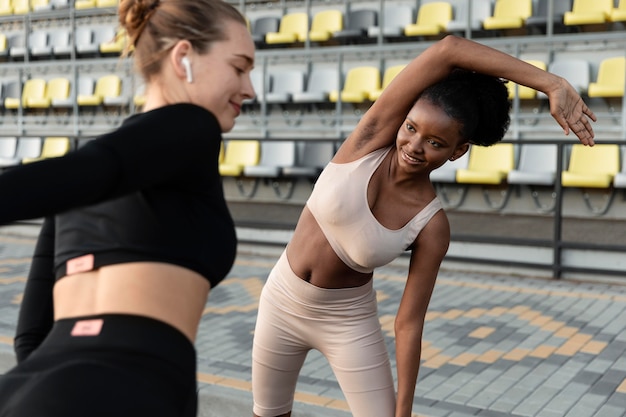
<point>16,151</point>
<point>58,93</point>
<point>431,19</point>
<point>62,42</point>
<point>21,7</point>
<point>366,83</point>
<point>602,166</point>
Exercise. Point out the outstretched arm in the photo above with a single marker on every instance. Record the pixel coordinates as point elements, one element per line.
<point>379,125</point>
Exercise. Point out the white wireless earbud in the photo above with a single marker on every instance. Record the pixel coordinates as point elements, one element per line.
<point>185,62</point>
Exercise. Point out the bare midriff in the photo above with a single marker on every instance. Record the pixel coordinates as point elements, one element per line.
<point>315,261</point>
<point>169,293</point>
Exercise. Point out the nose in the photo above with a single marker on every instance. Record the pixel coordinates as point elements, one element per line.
<point>248,89</point>
<point>416,144</point>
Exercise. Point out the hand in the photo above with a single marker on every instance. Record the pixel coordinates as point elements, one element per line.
<point>571,112</point>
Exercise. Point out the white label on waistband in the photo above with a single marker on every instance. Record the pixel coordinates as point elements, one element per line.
<point>81,264</point>
<point>87,327</point>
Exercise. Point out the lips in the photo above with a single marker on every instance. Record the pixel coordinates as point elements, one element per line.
<point>410,159</point>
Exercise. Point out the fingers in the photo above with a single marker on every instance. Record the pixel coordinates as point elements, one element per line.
<point>583,130</point>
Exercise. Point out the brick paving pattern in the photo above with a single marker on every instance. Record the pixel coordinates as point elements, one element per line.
<point>494,345</point>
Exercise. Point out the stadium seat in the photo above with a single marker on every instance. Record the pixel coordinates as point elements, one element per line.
<point>620,178</point>
<point>480,9</point>
<point>52,147</point>
<point>388,76</point>
<point>432,19</point>
<point>537,165</point>
<point>20,6</point>
<point>88,39</point>
<point>274,156</point>
<point>539,19</point>
<point>33,91</point>
<point>487,165</point>
<point>588,12</point>
<point>8,147</point>
<point>291,81</point>
<point>17,45</point>
<point>357,24</point>
<point>56,88</point>
<point>39,44</point>
<point>4,46</point>
<point>447,172</point>
<point>11,93</point>
<point>575,71</point>
<point>523,92</point>
<point>591,167</point>
<point>106,3</point>
<point>61,41</point>
<point>293,28</point>
<point>84,4</point>
<point>40,5</point>
<point>618,14</point>
<point>27,147</point>
<point>115,45</point>
<point>6,8</point>
<point>359,82</point>
<point>509,14</point>
<point>320,83</point>
<point>239,154</point>
<point>311,158</point>
<point>324,24</point>
<point>262,26</point>
<point>106,87</point>
<point>395,18</point>
<point>610,79</point>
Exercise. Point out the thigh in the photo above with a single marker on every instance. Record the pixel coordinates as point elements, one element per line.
<point>359,358</point>
<point>277,358</point>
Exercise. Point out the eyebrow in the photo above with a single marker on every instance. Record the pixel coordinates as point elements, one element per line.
<point>247,58</point>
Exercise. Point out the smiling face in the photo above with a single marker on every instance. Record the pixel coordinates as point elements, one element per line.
<point>428,138</point>
<point>221,77</point>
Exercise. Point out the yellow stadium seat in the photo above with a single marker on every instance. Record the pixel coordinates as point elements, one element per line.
<point>84,4</point>
<point>359,82</point>
<point>21,6</point>
<point>432,19</point>
<point>592,167</point>
<point>588,12</point>
<point>293,28</point>
<point>52,147</point>
<point>106,86</point>
<point>32,91</point>
<point>525,93</point>
<point>324,24</point>
<point>618,14</point>
<point>107,3</point>
<point>239,154</point>
<point>388,76</point>
<point>509,14</point>
<point>487,165</point>
<point>56,88</point>
<point>116,45</point>
<point>610,80</point>
<point>6,8</point>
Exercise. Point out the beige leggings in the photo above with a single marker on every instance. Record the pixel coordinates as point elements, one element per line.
<point>294,317</point>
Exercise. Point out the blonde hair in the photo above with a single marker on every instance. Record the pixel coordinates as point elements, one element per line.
<point>153,27</point>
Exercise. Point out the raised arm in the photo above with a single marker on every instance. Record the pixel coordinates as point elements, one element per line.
<point>379,125</point>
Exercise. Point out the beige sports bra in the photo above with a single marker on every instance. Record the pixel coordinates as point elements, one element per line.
<point>340,207</point>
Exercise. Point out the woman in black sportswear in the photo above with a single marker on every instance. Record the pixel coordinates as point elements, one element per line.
<point>136,229</point>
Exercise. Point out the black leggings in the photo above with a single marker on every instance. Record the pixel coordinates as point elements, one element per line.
<point>135,366</point>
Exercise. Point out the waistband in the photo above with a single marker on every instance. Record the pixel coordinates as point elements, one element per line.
<point>121,332</point>
<point>309,292</point>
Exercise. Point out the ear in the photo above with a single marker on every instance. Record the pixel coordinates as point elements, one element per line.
<point>182,49</point>
<point>460,151</point>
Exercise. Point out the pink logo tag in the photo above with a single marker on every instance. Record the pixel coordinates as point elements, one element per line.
<point>81,264</point>
<point>87,327</point>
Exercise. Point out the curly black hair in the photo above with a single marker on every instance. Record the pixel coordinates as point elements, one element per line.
<point>479,102</point>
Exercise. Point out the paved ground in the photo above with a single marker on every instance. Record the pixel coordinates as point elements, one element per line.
<point>494,345</point>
